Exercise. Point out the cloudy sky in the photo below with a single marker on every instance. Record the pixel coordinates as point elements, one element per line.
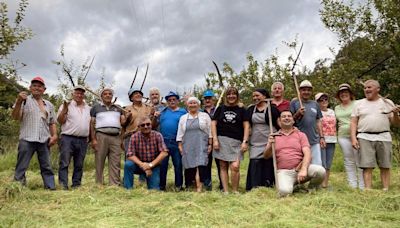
<point>177,38</point>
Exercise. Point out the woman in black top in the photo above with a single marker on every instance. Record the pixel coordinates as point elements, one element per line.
<point>261,171</point>
<point>230,130</point>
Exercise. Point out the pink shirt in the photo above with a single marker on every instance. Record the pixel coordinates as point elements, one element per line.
<point>78,120</point>
<point>288,149</point>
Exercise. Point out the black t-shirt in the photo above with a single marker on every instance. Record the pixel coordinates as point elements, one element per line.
<point>230,121</point>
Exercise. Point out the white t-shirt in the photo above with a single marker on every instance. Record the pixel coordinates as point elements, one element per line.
<point>373,125</point>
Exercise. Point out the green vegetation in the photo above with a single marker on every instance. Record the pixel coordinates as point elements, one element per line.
<point>103,206</point>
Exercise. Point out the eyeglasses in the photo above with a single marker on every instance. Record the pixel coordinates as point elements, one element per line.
<point>172,99</point>
<point>145,124</point>
<point>323,99</point>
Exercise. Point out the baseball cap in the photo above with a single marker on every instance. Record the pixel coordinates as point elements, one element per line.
<point>38,79</point>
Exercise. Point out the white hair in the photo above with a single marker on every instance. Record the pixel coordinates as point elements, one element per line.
<point>374,82</point>
<point>277,83</point>
<point>193,99</point>
<point>154,89</point>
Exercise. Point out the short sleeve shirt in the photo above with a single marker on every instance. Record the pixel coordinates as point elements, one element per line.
<point>35,123</point>
<point>107,118</point>
<point>289,149</point>
<point>343,116</point>
<point>169,121</point>
<point>230,121</point>
<point>308,123</point>
<point>328,122</point>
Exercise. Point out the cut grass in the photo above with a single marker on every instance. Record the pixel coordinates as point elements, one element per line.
<point>104,206</point>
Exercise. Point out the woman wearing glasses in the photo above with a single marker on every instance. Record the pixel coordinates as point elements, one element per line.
<point>194,142</point>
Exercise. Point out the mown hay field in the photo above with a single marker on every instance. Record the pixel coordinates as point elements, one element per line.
<point>104,206</point>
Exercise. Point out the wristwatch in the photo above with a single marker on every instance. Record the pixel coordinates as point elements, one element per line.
<point>151,165</point>
<point>245,141</point>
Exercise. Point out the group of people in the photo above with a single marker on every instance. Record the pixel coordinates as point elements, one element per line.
<point>300,135</point>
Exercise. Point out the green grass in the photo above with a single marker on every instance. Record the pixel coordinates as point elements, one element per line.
<point>104,206</point>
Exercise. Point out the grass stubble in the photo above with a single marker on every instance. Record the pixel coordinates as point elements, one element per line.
<point>106,206</point>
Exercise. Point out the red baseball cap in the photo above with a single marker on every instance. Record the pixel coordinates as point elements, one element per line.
<point>38,79</point>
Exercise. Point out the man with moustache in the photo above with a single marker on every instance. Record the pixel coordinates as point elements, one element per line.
<point>370,133</point>
<point>105,127</point>
<point>74,118</point>
<point>169,121</point>
<point>308,120</point>
<point>37,132</point>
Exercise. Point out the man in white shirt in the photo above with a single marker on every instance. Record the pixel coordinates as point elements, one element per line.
<point>74,118</point>
<point>370,132</point>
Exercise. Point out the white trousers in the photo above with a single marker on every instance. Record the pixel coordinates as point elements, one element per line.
<point>354,174</point>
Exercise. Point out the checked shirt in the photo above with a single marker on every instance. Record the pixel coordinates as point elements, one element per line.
<point>146,149</point>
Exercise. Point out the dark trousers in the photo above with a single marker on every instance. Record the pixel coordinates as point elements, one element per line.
<point>25,152</point>
<point>71,147</point>
<point>177,162</point>
<point>260,173</point>
<point>190,175</point>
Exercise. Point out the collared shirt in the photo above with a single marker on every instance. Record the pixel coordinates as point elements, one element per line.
<point>35,123</point>
<point>283,106</point>
<point>137,113</point>
<point>77,120</point>
<point>108,119</point>
<point>289,149</point>
<point>146,149</point>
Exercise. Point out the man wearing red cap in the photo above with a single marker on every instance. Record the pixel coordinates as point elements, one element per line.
<point>37,132</point>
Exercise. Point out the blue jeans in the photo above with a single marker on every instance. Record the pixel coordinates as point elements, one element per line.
<point>130,168</point>
<point>75,147</point>
<point>327,155</point>
<point>127,140</point>
<point>176,160</point>
<point>25,152</point>
<point>316,154</point>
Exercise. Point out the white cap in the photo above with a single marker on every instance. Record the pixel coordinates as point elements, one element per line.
<point>305,83</point>
<point>319,95</point>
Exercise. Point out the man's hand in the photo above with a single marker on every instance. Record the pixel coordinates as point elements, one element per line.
<point>94,145</point>
<point>157,114</point>
<point>22,96</point>
<point>65,107</point>
<point>355,144</point>
<point>300,112</point>
<point>53,140</point>
<point>145,166</point>
<point>148,172</point>
<point>301,176</point>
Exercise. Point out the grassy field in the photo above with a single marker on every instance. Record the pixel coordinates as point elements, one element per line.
<point>103,206</point>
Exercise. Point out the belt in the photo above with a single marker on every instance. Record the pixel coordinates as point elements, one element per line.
<point>110,134</point>
<point>374,133</point>
<point>73,136</point>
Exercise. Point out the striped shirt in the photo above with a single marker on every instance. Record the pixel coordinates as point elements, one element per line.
<point>35,123</point>
<point>146,149</point>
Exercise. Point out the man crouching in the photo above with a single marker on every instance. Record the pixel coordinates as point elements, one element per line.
<point>146,150</point>
<point>293,157</point>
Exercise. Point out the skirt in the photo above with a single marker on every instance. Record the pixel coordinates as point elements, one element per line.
<point>229,149</point>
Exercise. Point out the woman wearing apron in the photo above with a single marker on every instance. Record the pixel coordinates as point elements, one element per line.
<point>260,171</point>
<point>194,142</point>
<point>230,130</point>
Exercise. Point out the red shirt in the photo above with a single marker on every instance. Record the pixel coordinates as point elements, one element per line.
<point>288,149</point>
<point>146,149</point>
<point>284,105</point>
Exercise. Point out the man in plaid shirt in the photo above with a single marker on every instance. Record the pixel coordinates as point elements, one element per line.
<point>145,152</point>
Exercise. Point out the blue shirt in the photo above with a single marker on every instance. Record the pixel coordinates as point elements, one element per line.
<point>169,121</point>
<point>308,123</point>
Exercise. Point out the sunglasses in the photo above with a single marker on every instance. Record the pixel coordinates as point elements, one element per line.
<point>145,124</point>
<point>323,99</point>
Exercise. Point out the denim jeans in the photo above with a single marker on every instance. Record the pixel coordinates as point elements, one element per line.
<point>75,147</point>
<point>327,155</point>
<point>142,177</point>
<point>25,152</point>
<point>316,154</point>
<point>177,162</point>
<point>130,168</point>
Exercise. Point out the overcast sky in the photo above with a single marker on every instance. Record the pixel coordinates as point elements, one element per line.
<point>177,38</point>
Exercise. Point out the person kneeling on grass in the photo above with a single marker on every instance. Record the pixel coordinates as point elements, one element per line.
<point>293,157</point>
<point>146,150</point>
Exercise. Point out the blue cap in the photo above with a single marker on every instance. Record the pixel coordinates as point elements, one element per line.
<point>208,93</point>
<point>172,94</point>
<point>133,90</point>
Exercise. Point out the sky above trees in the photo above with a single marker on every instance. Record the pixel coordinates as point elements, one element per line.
<point>177,38</point>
